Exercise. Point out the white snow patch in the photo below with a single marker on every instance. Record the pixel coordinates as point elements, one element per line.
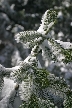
<point>65,45</point>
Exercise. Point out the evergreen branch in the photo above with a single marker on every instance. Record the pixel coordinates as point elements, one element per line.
<point>48,20</point>
<point>46,83</point>
<point>66,53</point>
<point>27,36</point>
<point>57,50</point>
<point>35,102</point>
<point>37,87</point>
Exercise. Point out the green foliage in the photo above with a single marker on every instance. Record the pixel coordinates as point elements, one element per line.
<point>56,50</point>
<point>68,55</point>
<point>39,87</point>
<point>48,20</point>
<point>27,36</point>
<point>41,79</point>
<point>35,102</point>
<point>21,73</point>
<point>68,99</point>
